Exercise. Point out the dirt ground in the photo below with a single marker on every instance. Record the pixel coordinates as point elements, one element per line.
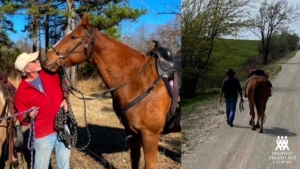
<point>108,149</point>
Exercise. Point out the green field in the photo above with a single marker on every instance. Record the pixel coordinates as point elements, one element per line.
<point>241,55</point>
<point>234,54</point>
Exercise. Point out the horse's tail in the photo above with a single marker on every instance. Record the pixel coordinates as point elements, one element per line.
<point>260,107</point>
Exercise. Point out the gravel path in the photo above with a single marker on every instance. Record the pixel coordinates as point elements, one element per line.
<point>222,147</point>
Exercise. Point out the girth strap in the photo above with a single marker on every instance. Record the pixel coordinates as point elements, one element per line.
<point>135,101</point>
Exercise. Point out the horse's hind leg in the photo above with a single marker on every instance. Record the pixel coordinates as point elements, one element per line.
<point>135,151</point>
<point>252,114</point>
<point>150,147</point>
<point>262,116</point>
<point>257,121</point>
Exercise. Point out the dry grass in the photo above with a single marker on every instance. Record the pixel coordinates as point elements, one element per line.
<point>108,148</point>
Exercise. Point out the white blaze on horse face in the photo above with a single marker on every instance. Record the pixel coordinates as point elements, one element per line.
<point>60,40</point>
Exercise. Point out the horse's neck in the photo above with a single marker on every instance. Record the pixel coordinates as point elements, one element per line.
<point>116,62</point>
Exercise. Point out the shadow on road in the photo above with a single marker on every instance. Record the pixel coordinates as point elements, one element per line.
<point>245,127</point>
<point>277,131</point>
<point>274,132</point>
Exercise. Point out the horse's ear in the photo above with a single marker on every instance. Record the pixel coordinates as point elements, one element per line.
<point>79,21</point>
<point>85,20</point>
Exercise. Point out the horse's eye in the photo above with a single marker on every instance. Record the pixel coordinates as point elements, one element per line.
<point>73,37</point>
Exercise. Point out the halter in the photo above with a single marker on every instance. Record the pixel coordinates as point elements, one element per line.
<point>63,56</point>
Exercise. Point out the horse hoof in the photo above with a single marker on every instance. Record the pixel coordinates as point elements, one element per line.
<point>257,126</point>
<point>254,128</point>
<point>261,131</point>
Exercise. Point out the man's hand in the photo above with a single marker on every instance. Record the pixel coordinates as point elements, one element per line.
<point>65,105</point>
<point>33,112</point>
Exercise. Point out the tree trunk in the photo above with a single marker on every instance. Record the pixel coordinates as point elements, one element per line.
<point>70,26</point>
<point>47,32</point>
<point>35,27</point>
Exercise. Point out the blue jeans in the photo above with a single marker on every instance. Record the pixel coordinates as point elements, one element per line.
<point>43,150</point>
<point>230,108</point>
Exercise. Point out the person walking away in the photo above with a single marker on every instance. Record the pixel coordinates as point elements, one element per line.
<point>230,88</point>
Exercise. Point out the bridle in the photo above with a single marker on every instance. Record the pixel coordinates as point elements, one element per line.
<point>63,56</point>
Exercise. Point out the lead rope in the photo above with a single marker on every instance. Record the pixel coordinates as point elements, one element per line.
<point>31,131</point>
<point>67,118</point>
<point>30,143</point>
<point>241,106</point>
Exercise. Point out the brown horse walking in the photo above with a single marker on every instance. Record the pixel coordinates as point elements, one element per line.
<point>117,65</point>
<point>258,91</point>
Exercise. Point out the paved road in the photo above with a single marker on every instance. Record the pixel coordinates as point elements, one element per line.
<point>241,148</point>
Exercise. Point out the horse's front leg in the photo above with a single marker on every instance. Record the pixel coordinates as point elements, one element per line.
<point>150,147</point>
<point>135,143</point>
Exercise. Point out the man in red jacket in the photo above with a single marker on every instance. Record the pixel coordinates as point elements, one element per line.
<point>41,89</point>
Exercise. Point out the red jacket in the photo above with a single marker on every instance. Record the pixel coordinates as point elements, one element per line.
<point>28,96</point>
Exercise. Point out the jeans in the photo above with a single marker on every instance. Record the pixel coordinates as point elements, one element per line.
<point>230,108</point>
<point>43,150</point>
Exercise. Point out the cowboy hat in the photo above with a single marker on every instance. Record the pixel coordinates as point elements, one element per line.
<point>230,72</point>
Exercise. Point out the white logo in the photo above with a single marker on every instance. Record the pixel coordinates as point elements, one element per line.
<point>282,143</point>
<point>284,156</point>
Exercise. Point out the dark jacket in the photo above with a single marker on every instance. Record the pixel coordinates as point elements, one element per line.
<point>231,86</point>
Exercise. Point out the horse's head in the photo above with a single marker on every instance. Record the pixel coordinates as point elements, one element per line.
<point>74,48</point>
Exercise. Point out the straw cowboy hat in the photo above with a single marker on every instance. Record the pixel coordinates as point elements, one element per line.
<point>24,58</point>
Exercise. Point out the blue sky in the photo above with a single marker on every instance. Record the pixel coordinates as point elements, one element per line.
<point>292,27</point>
<point>152,17</point>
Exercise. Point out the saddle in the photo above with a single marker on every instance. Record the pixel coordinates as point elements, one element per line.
<point>169,68</point>
<point>15,133</point>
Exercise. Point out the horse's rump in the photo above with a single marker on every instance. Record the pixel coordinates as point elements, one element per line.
<point>259,87</point>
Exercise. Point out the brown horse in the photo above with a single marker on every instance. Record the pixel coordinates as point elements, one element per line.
<point>131,72</point>
<point>3,123</point>
<point>258,91</point>
<point>7,126</point>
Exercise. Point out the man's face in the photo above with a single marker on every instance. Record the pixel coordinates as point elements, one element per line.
<point>33,66</point>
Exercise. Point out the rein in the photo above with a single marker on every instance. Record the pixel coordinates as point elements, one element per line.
<point>241,105</point>
<point>63,56</point>
<point>67,118</point>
